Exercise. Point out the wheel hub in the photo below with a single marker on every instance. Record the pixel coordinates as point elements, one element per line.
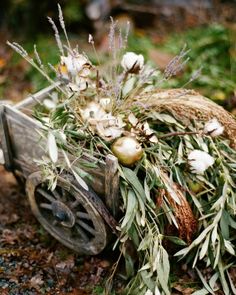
<point>63,214</point>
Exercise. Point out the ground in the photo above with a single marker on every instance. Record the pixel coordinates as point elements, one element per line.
<point>31,262</point>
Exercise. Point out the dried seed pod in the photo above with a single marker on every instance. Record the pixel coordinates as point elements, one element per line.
<point>128,150</point>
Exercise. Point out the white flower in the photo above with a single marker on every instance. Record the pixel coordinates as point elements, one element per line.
<point>51,102</point>
<point>73,64</point>
<point>199,161</point>
<point>213,128</point>
<point>93,112</point>
<point>104,124</point>
<point>105,103</point>
<point>132,62</point>
<point>149,292</point>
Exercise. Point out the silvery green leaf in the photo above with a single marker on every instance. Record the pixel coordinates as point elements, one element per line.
<point>229,247</point>
<point>176,240</point>
<point>201,292</point>
<point>52,147</point>
<point>224,225</point>
<point>166,263</point>
<point>147,280</point>
<point>222,277</point>
<point>129,265</point>
<point>183,252</point>
<point>131,208</point>
<point>162,270</point>
<point>196,258</point>
<point>145,267</point>
<point>204,247</point>
<point>60,135</point>
<point>132,178</point>
<point>168,184</point>
<point>157,291</point>
<point>232,285</point>
<point>147,190</point>
<point>212,281</point>
<point>232,223</point>
<point>205,284</point>
<point>214,235</point>
<point>128,86</point>
<point>156,255</point>
<point>217,255</point>
<point>145,243</point>
<point>80,180</point>
<point>180,153</point>
<point>166,118</point>
<point>202,235</point>
<point>66,159</point>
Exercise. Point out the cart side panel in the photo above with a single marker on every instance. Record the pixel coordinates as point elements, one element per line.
<point>27,145</point>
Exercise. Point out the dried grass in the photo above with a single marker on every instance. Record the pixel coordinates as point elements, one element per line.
<point>187,105</point>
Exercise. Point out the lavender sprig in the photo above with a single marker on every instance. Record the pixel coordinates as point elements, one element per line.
<point>62,23</point>
<point>57,36</point>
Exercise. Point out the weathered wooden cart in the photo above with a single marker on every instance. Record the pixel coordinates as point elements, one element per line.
<point>79,219</point>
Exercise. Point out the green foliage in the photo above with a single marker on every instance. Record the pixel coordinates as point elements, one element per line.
<point>212,51</point>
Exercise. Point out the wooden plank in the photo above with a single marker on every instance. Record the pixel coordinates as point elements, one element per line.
<point>36,98</point>
<point>112,184</point>
<point>2,161</point>
<point>5,140</point>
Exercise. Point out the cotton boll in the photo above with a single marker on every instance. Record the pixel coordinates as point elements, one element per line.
<point>132,62</point>
<point>200,161</point>
<point>213,128</point>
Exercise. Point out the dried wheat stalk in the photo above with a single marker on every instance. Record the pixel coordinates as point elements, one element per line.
<point>186,105</point>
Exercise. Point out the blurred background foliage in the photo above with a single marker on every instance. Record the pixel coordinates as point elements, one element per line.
<point>159,29</point>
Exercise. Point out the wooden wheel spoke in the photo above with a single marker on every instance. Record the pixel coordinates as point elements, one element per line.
<point>83,215</point>
<point>45,206</point>
<point>45,195</point>
<point>56,195</point>
<point>64,194</point>
<point>87,227</point>
<point>55,222</point>
<point>82,233</point>
<point>74,204</point>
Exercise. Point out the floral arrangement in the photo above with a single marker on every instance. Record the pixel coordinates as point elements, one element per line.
<point>177,179</point>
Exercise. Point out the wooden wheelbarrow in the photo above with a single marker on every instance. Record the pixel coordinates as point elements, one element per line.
<point>78,218</point>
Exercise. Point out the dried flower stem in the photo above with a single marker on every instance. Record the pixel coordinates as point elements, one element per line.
<point>182,133</point>
<point>62,23</point>
<point>31,61</point>
<point>38,59</point>
<point>57,36</point>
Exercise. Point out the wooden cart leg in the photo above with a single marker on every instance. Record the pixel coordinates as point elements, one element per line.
<point>112,184</point>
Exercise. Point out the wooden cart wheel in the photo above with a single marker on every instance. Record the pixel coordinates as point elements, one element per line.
<point>67,214</point>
